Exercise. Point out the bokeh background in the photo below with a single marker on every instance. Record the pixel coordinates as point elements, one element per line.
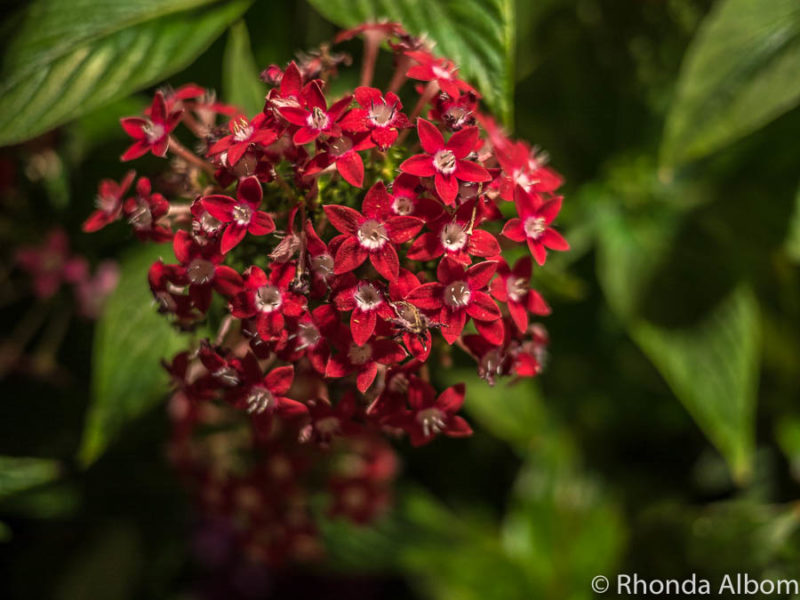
<point>663,437</point>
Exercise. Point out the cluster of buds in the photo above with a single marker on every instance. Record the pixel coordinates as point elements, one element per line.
<point>336,247</point>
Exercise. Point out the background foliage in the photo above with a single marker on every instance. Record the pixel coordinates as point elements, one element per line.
<point>664,437</point>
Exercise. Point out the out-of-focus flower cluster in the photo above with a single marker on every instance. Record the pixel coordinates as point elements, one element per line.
<point>336,247</point>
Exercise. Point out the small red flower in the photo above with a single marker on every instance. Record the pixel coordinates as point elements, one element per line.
<point>316,119</point>
<point>343,151</point>
<point>244,133</point>
<point>151,134</point>
<point>367,302</point>
<point>533,224</point>
<point>241,215</point>
<point>445,161</point>
<point>370,235</point>
<point>363,360</point>
<point>440,70</point>
<point>265,394</point>
<point>46,263</point>
<point>457,237</point>
<point>268,299</point>
<point>381,117</point>
<point>202,270</point>
<point>512,286</point>
<point>430,416</point>
<point>459,294</point>
<point>145,212</point>
<point>108,202</point>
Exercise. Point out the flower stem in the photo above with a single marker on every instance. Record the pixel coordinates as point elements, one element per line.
<point>190,157</point>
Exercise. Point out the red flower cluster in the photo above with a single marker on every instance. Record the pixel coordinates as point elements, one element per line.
<point>339,245</point>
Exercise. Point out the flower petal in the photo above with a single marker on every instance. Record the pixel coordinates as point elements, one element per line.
<point>430,137</point>
<point>420,165</point>
<point>463,141</point>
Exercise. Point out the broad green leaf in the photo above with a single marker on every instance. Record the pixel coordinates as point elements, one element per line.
<point>69,58</point>
<point>20,474</point>
<point>130,339</point>
<point>240,82</point>
<point>741,71</point>
<point>712,367</point>
<point>793,239</point>
<point>477,34</point>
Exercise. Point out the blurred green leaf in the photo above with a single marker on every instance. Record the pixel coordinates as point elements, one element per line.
<point>793,239</point>
<point>19,474</point>
<point>130,338</point>
<point>740,72</point>
<point>5,532</point>
<point>69,58</point>
<point>485,55</point>
<point>240,82</point>
<point>712,367</point>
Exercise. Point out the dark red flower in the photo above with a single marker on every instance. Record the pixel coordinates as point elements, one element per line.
<point>361,359</point>
<point>367,302</point>
<point>202,270</point>
<point>440,70</point>
<point>268,299</point>
<point>265,394</point>
<point>241,215</point>
<point>430,415</point>
<point>46,263</point>
<point>459,294</point>
<point>151,134</point>
<point>343,151</point>
<point>445,161</point>
<point>457,236</point>
<point>370,235</point>
<point>381,117</point>
<point>533,224</point>
<point>328,422</point>
<point>512,286</point>
<point>108,202</point>
<point>243,134</point>
<point>145,211</point>
<point>316,118</point>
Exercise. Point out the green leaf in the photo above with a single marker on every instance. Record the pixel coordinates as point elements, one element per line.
<point>240,82</point>
<point>793,239</point>
<point>484,55</point>
<point>712,367</point>
<point>69,58</point>
<point>130,339</point>
<point>19,474</point>
<point>740,72</point>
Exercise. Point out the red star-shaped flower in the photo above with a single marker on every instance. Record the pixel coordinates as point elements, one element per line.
<point>512,286</point>
<point>381,117</point>
<point>151,134</point>
<point>445,161</point>
<point>316,119</point>
<point>533,224</point>
<point>241,215</point>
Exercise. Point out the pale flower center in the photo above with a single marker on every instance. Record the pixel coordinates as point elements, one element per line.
<point>368,298</point>
<point>372,235</point>
<point>209,223</point>
<point>242,133</point>
<point>403,206</point>
<point>341,146</point>
<point>227,375</point>
<point>457,294</point>
<point>457,117</point>
<point>444,161</point>
<point>200,271</point>
<point>517,288</point>
<point>441,73</point>
<point>322,265</point>
<point>381,114</point>
<point>242,213</point>
<point>141,218</point>
<point>308,335</point>
<point>454,237</point>
<point>268,298</point>
<point>432,421</point>
<point>259,400</point>
<point>534,227</point>
<point>358,355</point>
<point>108,204</point>
<point>153,131</point>
<point>317,119</point>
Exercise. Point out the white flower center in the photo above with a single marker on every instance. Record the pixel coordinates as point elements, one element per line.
<point>534,227</point>
<point>259,400</point>
<point>403,206</point>
<point>242,132</point>
<point>441,73</point>
<point>381,114</point>
<point>242,213</point>
<point>372,235</point>
<point>454,238</point>
<point>322,265</point>
<point>308,335</point>
<point>268,298</point>
<point>444,161</point>
<point>358,355</point>
<point>227,375</point>
<point>200,271</point>
<point>368,298</point>
<point>209,223</point>
<point>317,119</point>
<point>517,287</point>
<point>153,131</point>
<point>457,294</point>
<point>141,217</point>
<point>108,204</point>
<point>432,421</point>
